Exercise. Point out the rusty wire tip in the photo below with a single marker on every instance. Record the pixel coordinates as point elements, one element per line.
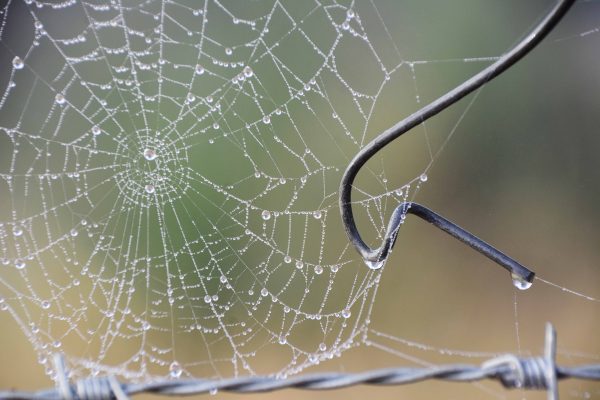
<point>375,258</point>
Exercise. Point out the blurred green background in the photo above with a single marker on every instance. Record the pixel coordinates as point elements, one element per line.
<point>521,171</point>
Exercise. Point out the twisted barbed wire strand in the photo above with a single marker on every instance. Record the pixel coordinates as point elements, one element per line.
<point>535,373</point>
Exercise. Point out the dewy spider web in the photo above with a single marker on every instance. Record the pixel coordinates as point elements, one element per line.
<point>177,189</point>
<point>170,177</point>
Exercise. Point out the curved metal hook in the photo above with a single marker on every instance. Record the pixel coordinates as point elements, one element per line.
<point>519,272</point>
<point>375,257</point>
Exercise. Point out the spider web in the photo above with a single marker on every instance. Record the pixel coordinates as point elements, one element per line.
<point>169,181</point>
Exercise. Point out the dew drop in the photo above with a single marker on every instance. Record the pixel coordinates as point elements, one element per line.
<point>346,313</point>
<point>287,259</point>
<point>282,340</point>
<point>149,188</point>
<point>74,232</point>
<point>150,154</point>
<point>317,214</point>
<point>299,264</point>
<point>175,370</point>
<point>223,279</point>
<point>519,282</point>
<point>96,130</point>
<point>17,231</point>
<point>350,13</point>
<point>199,69</point>
<point>228,51</point>
<point>266,215</point>
<point>207,299</point>
<point>190,97</point>
<point>423,178</point>
<point>318,270</point>
<point>264,292</point>
<point>60,99</point>
<point>374,264</point>
<point>45,304</point>
<point>266,119</point>
<point>248,72</point>
<point>18,63</point>
<point>19,264</point>
<point>322,347</point>
<point>146,325</point>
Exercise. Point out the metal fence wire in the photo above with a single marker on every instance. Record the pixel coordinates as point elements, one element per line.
<point>534,373</point>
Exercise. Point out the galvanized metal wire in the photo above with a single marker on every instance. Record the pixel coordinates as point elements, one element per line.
<point>535,373</point>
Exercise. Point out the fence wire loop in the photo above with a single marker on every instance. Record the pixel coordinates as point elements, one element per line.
<point>91,388</point>
<point>535,373</point>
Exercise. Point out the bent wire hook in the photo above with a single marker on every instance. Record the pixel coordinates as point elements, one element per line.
<point>375,257</point>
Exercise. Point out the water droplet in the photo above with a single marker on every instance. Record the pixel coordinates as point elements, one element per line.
<point>322,347</point>
<point>223,279</point>
<point>266,215</point>
<point>17,231</point>
<point>149,188</point>
<point>18,63</point>
<point>213,391</point>
<point>346,313</point>
<point>150,154</point>
<point>199,69</point>
<point>299,264</point>
<point>175,370</point>
<point>318,270</point>
<point>423,178</point>
<point>248,72</point>
<point>519,282</point>
<point>374,264</point>
<point>190,97</point>
<point>73,232</point>
<point>19,264</point>
<point>345,25</point>
<point>287,259</point>
<point>282,340</point>
<point>266,119</point>
<point>228,51</point>
<point>207,299</point>
<point>60,99</point>
<point>146,325</point>
<point>264,292</point>
<point>96,130</point>
<point>38,25</point>
<point>209,99</point>
<point>350,13</point>
<point>317,214</point>
<point>45,304</point>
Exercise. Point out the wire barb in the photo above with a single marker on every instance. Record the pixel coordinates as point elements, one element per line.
<point>534,373</point>
<point>375,257</point>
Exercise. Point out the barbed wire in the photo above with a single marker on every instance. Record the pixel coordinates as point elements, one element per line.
<point>537,373</point>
